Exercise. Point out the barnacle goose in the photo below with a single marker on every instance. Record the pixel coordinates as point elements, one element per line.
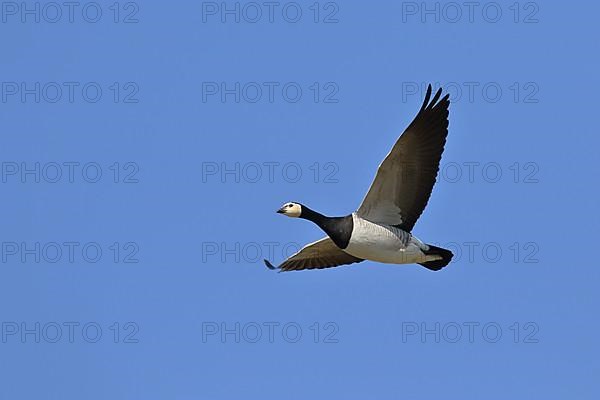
<point>380,229</point>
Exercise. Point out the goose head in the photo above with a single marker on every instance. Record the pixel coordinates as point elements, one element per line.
<point>293,210</point>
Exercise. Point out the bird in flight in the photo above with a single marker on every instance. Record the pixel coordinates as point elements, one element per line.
<point>380,230</point>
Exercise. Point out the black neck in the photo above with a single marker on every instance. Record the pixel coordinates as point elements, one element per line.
<point>339,229</point>
<point>313,216</point>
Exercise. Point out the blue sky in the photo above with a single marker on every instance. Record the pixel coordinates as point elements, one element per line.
<point>146,147</point>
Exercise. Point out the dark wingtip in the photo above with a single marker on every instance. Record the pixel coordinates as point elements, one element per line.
<point>427,97</point>
<point>435,98</point>
<point>269,265</point>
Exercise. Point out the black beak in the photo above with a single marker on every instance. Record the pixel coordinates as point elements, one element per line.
<point>280,211</point>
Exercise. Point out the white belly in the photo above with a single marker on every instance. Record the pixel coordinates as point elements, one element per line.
<point>385,244</point>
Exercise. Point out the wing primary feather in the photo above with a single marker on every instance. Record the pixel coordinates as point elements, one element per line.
<point>269,265</point>
<point>427,96</point>
<point>435,98</point>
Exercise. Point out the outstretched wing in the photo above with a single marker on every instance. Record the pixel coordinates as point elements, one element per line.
<point>405,178</point>
<point>321,254</point>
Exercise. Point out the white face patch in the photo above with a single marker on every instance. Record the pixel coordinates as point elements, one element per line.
<point>292,210</point>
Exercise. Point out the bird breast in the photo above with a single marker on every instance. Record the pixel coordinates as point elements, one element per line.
<point>382,237</point>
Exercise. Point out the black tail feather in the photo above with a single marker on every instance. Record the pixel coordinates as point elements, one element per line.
<point>437,264</point>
